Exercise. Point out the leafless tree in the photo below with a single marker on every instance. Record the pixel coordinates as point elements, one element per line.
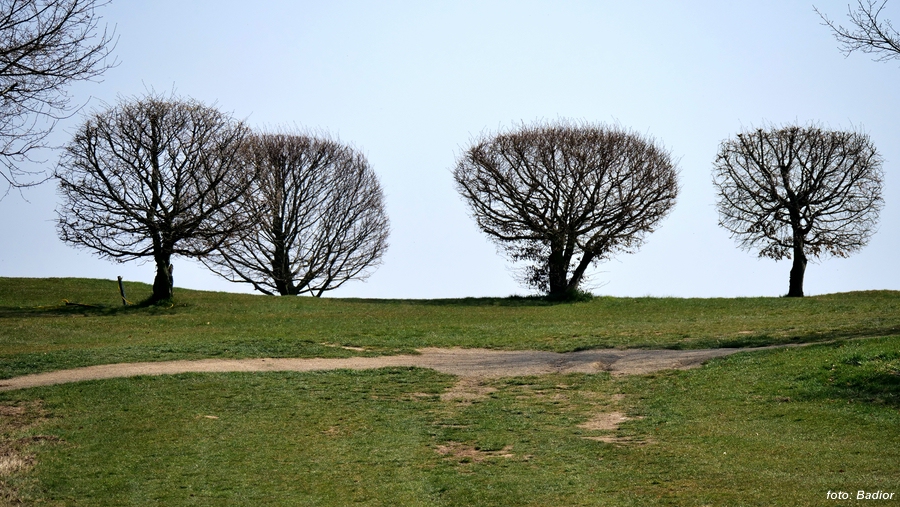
<point>795,192</point>
<point>320,218</point>
<point>153,177</point>
<point>561,197</point>
<point>868,33</point>
<point>45,45</point>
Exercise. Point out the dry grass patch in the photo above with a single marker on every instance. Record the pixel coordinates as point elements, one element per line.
<point>16,419</point>
<point>468,453</point>
<point>468,389</point>
<point>607,421</point>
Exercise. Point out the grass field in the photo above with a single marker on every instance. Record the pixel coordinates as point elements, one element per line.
<point>39,332</point>
<point>778,427</point>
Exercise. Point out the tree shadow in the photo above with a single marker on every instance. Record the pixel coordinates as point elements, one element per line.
<point>868,378</point>
<point>509,301</point>
<point>70,309</point>
<point>766,340</point>
<point>473,302</point>
<point>879,388</point>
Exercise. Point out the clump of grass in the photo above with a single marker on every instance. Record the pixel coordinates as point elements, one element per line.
<point>568,296</point>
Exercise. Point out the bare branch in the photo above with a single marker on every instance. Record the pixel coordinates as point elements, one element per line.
<point>152,177</point>
<point>562,197</point>
<point>794,192</point>
<point>317,214</point>
<point>868,33</point>
<point>45,45</point>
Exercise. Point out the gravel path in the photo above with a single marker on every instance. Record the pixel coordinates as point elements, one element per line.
<point>459,362</point>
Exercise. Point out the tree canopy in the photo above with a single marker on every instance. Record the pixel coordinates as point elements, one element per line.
<point>153,177</point>
<point>45,45</point>
<point>562,196</point>
<point>795,192</point>
<point>316,217</point>
<point>868,33</point>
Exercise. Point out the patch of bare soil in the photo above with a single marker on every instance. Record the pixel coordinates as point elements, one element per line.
<point>608,423</point>
<point>605,421</point>
<point>467,390</point>
<point>467,453</point>
<point>464,363</point>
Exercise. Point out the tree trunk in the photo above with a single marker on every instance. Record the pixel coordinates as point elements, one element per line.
<point>281,268</point>
<point>162,284</point>
<point>797,270</point>
<point>281,271</point>
<point>557,267</point>
<point>578,274</point>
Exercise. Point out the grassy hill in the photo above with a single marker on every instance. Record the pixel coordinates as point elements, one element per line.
<point>41,332</point>
<point>777,427</point>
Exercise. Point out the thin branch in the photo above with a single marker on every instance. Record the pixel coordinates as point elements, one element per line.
<point>868,33</point>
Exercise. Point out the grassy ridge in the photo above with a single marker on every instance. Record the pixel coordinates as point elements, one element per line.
<point>39,332</point>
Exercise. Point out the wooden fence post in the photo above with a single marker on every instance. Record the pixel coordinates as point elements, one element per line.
<point>122,292</point>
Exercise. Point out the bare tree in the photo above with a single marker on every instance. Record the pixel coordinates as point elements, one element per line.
<point>795,192</point>
<point>45,45</point>
<point>319,217</point>
<point>868,33</point>
<point>151,178</point>
<point>561,197</point>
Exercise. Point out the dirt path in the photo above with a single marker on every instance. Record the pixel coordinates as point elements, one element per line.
<point>460,362</point>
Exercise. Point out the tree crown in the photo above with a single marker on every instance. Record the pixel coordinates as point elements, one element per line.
<point>151,176</point>
<point>317,217</point>
<point>785,187</point>
<point>561,196</point>
<point>44,46</point>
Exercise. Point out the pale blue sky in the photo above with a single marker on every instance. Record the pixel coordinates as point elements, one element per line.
<point>410,83</point>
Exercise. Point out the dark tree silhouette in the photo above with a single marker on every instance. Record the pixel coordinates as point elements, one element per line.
<point>318,217</point>
<point>152,178</point>
<point>45,45</point>
<point>561,197</point>
<point>868,33</point>
<point>795,192</point>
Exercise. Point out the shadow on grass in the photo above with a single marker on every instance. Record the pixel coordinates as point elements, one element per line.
<point>68,308</point>
<point>510,301</point>
<point>878,388</point>
<point>868,378</point>
<point>65,308</point>
<point>507,301</point>
<point>766,340</point>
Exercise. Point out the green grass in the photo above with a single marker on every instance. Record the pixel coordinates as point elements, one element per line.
<point>776,427</point>
<point>766,428</point>
<point>38,332</point>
